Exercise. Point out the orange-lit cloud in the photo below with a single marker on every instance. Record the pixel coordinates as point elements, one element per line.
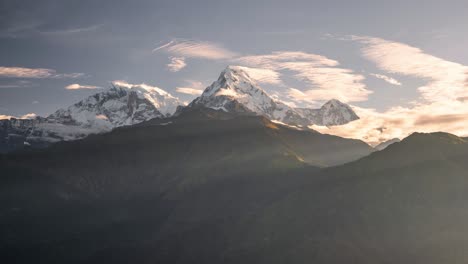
<point>26,116</point>
<point>446,80</point>
<point>38,73</point>
<point>176,64</point>
<point>324,79</point>
<point>192,87</point>
<point>263,75</point>
<point>196,49</point>
<point>386,78</point>
<point>77,86</point>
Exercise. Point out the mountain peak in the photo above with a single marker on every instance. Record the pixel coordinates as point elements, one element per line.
<point>143,88</point>
<point>434,137</point>
<point>122,104</point>
<point>418,148</point>
<point>333,103</point>
<point>236,91</point>
<point>335,112</point>
<point>234,81</point>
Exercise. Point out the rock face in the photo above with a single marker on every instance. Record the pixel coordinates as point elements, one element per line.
<point>236,91</point>
<point>121,105</point>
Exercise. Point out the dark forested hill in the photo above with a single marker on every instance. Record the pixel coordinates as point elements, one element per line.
<point>207,187</point>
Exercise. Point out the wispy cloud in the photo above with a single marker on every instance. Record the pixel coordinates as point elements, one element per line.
<point>38,28</point>
<point>386,78</point>
<point>5,117</point>
<point>263,75</point>
<point>26,116</point>
<point>323,78</point>
<point>439,109</point>
<point>176,64</point>
<point>38,73</point>
<point>399,122</point>
<point>196,49</point>
<point>70,31</point>
<point>445,79</point>
<point>192,87</point>
<point>29,116</point>
<point>77,86</point>
<point>17,84</point>
<point>19,72</point>
<point>187,90</point>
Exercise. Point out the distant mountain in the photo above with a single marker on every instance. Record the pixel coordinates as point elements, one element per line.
<point>387,143</point>
<point>236,91</point>
<point>123,104</point>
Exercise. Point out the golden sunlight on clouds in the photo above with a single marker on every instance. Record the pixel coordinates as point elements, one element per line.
<point>442,106</point>
<point>26,116</point>
<point>386,78</point>
<point>77,86</point>
<point>263,75</point>
<point>192,87</point>
<point>19,72</point>
<point>36,73</point>
<point>325,80</point>
<point>176,64</point>
<point>446,79</point>
<point>399,122</point>
<point>196,49</point>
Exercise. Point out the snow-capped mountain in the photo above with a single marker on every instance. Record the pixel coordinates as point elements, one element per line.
<point>123,104</point>
<point>236,91</point>
<point>127,104</point>
<point>332,113</point>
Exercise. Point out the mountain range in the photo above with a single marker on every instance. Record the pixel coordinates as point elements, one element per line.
<point>126,104</point>
<point>233,177</point>
<point>210,186</point>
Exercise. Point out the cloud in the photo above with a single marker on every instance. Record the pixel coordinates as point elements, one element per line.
<point>323,78</point>
<point>143,86</point>
<point>71,31</point>
<point>398,122</point>
<point>37,73</point>
<point>26,116</point>
<point>5,117</point>
<point>277,58</point>
<point>196,49</point>
<point>17,84</point>
<point>101,117</point>
<point>386,78</point>
<point>25,27</point>
<point>176,64</point>
<point>69,75</point>
<point>77,86</point>
<point>19,72</point>
<point>192,88</point>
<point>29,116</point>
<point>191,91</point>
<point>446,80</point>
<point>442,106</point>
<point>263,75</point>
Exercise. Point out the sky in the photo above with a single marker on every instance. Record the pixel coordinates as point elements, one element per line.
<point>402,65</point>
